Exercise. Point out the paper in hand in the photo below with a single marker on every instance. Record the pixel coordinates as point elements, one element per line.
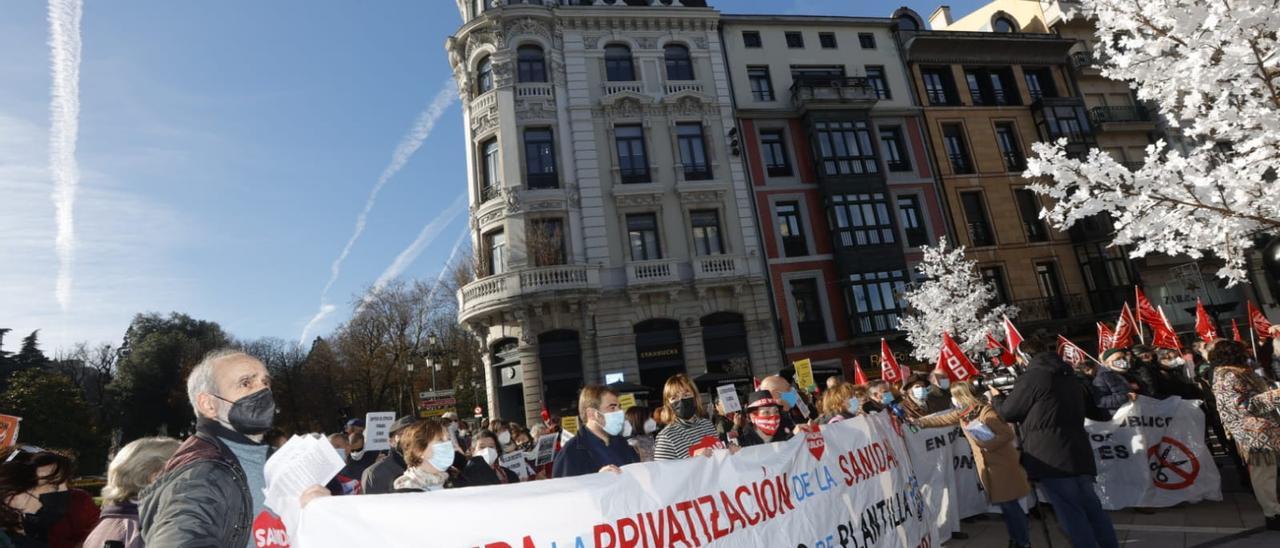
<point>303,461</point>
<point>979,430</point>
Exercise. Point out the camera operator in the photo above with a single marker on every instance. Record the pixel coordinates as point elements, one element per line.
<point>1051,404</point>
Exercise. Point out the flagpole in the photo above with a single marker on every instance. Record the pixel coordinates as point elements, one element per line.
<point>1253,342</point>
<point>1137,305</point>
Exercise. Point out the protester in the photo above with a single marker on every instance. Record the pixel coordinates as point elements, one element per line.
<point>1142,371</point>
<point>599,445</point>
<point>428,455</point>
<point>689,425</point>
<point>782,392</point>
<point>995,456</point>
<point>876,391</point>
<point>1251,415</point>
<point>502,430</point>
<point>464,434</point>
<point>1051,405</point>
<point>354,426</point>
<point>50,513</point>
<point>642,428</point>
<point>17,478</point>
<point>1111,390</point>
<point>132,470</point>
<point>765,420</point>
<point>483,468</point>
<point>213,487</point>
<point>939,399</point>
<point>380,478</point>
<point>358,459</point>
<point>839,403</point>
<point>1170,377</point>
<point>833,380</point>
<point>917,402</point>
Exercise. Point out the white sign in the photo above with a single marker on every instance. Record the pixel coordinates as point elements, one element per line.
<point>515,463</point>
<point>849,484</point>
<point>377,430</point>
<point>435,394</point>
<point>545,449</point>
<point>729,398</point>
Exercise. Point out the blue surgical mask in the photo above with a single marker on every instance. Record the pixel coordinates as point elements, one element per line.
<point>613,422</point>
<point>790,397</point>
<point>887,398</point>
<point>919,393</point>
<point>441,455</point>
<point>854,405</point>
<point>944,383</point>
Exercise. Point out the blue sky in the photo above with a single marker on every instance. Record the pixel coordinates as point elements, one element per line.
<point>225,151</point>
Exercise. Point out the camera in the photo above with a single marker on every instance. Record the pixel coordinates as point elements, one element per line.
<point>994,373</point>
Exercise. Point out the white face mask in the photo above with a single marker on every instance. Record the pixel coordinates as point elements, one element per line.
<point>919,393</point>
<point>357,455</point>
<point>627,430</point>
<point>489,455</point>
<point>1120,365</point>
<point>650,426</point>
<point>342,453</point>
<point>505,437</point>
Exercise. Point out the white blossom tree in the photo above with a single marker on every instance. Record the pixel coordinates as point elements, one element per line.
<point>953,298</point>
<point>1212,68</point>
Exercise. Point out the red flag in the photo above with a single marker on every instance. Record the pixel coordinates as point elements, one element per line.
<point>1005,357</point>
<point>1146,313</point>
<point>953,362</point>
<point>1204,326</point>
<point>546,415</point>
<point>1069,352</point>
<point>1125,328</point>
<point>1164,336</point>
<point>755,383</point>
<point>890,371</point>
<point>1259,322</point>
<point>1012,337</point>
<point>1106,338</point>
<point>1235,331</point>
<point>859,378</point>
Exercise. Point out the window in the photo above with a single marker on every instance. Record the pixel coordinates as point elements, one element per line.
<point>751,39</point>
<point>545,242</point>
<point>817,72</point>
<point>845,148</point>
<point>789,225</point>
<point>862,219</point>
<point>489,169</point>
<point>1029,207</point>
<point>496,251</point>
<point>539,159</point>
<point>617,64</point>
<point>774,147</point>
<point>1051,289</point>
<point>867,40</point>
<point>1009,149</point>
<point>808,312</point>
<point>693,152</point>
<point>484,75</point>
<point>912,218</point>
<point>895,151</point>
<point>938,87</point>
<point>1066,121</point>
<point>993,276</point>
<point>1039,83</point>
<point>827,40</point>
<point>633,164</point>
<point>761,84</point>
<point>957,152</point>
<point>992,87</point>
<point>706,232</point>
<point>907,22</point>
<point>875,77</point>
<point>975,215</point>
<point>642,231</point>
<point>1003,24</point>
<point>679,65</point>
<point>873,299</point>
<point>795,40</point>
<point>531,66</point>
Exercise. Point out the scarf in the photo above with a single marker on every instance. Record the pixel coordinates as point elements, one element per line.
<point>421,480</point>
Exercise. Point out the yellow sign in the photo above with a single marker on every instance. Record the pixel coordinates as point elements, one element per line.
<point>627,401</point>
<point>804,375</point>
<point>570,424</point>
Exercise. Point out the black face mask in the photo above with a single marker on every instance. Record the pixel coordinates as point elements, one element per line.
<point>685,409</point>
<point>252,414</point>
<point>53,506</point>
<point>526,446</point>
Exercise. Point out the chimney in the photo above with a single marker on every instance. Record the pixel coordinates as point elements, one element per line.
<point>940,19</point>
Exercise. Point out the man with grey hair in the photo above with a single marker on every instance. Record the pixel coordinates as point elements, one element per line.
<point>212,489</point>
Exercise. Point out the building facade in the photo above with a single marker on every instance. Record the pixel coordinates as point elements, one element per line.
<point>610,213</point>
<point>844,186</point>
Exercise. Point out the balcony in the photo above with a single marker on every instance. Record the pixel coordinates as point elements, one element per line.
<point>493,292</point>
<point>1134,117</point>
<point>660,271</point>
<point>610,88</point>
<point>1045,309</point>
<point>1083,60</point>
<point>673,88</point>
<point>1058,11</point>
<point>835,91</point>
<point>719,267</point>
<point>535,90</point>
<point>485,101</point>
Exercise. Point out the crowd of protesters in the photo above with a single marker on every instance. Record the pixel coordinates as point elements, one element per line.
<point>209,489</point>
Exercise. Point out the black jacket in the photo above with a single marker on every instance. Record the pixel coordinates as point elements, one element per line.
<point>585,454</point>
<point>750,437</point>
<point>202,497</point>
<point>1051,404</point>
<point>477,473</point>
<point>1172,382</point>
<point>380,478</point>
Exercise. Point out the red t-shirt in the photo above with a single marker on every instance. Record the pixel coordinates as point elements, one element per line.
<point>75,526</point>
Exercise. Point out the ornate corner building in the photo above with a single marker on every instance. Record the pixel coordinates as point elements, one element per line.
<point>610,213</point>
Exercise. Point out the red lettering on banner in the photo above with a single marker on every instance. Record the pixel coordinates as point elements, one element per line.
<point>628,533</point>
<point>677,532</point>
<point>658,530</point>
<point>528,542</point>
<point>767,495</point>
<point>706,528</point>
<point>752,519</point>
<point>867,462</point>
<point>683,507</point>
<point>784,493</point>
<point>731,512</point>
<point>716,530</point>
<point>505,545</point>
<point>601,531</point>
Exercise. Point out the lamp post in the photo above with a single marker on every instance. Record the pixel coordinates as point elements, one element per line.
<point>435,355</point>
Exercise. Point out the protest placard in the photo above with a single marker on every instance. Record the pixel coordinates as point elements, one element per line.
<point>9,430</point>
<point>569,424</point>
<point>729,398</point>
<point>515,462</point>
<point>546,450</point>
<point>627,401</point>
<point>377,428</point>
<point>804,375</point>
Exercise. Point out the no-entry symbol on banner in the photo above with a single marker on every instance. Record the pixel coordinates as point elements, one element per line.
<point>1173,466</point>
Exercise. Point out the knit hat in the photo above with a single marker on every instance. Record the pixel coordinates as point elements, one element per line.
<point>1113,351</point>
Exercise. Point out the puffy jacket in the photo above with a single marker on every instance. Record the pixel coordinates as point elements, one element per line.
<point>119,522</point>
<point>202,497</point>
<point>1051,405</point>
<point>1110,390</point>
<point>381,477</point>
<point>477,472</point>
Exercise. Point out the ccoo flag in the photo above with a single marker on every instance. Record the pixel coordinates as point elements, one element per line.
<point>953,361</point>
<point>1204,326</point>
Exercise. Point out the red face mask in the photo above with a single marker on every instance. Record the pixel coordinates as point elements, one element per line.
<point>766,425</point>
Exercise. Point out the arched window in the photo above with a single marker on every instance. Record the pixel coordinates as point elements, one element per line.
<point>679,66</point>
<point>617,64</point>
<point>659,352</point>
<point>907,22</point>
<point>530,64</point>
<point>484,75</point>
<point>1004,24</point>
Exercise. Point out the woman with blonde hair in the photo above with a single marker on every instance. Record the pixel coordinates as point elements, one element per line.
<point>839,403</point>
<point>132,470</point>
<point>994,456</point>
<point>689,425</point>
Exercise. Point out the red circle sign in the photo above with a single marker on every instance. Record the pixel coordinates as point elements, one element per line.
<point>1173,466</point>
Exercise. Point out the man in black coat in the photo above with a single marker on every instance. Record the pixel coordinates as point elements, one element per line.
<point>380,478</point>
<point>1050,404</point>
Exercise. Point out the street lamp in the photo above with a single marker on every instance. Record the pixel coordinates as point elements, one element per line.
<point>435,356</point>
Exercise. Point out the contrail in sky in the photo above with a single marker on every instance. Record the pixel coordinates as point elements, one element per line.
<point>408,145</point>
<point>64,111</point>
<point>410,254</point>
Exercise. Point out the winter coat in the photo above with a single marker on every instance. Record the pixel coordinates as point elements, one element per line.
<point>202,497</point>
<point>587,454</point>
<point>477,472</point>
<point>381,477</point>
<point>119,522</point>
<point>750,437</point>
<point>1147,377</point>
<point>1110,390</point>
<point>77,523</point>
<point>996,460</point>
<point>1172,382</point>
<point>1051,405</point>
<point>1248,408</point>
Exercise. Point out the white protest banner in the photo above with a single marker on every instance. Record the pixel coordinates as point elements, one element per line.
<point>729,398</point>
<point>377,428</point>
<point>849,484</point>
<point>546,449</point>
<point>931,453</point>
<point>1152,454</point>
<point>515,462</point>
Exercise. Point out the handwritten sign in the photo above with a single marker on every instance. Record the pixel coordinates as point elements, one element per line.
<point>377,430</point>
<point>804,375</point>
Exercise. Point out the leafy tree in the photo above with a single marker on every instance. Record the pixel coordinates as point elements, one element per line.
<point>30,355</point>
<point>55,416</point>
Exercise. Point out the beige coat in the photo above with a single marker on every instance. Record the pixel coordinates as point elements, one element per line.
<point>996,460</point>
